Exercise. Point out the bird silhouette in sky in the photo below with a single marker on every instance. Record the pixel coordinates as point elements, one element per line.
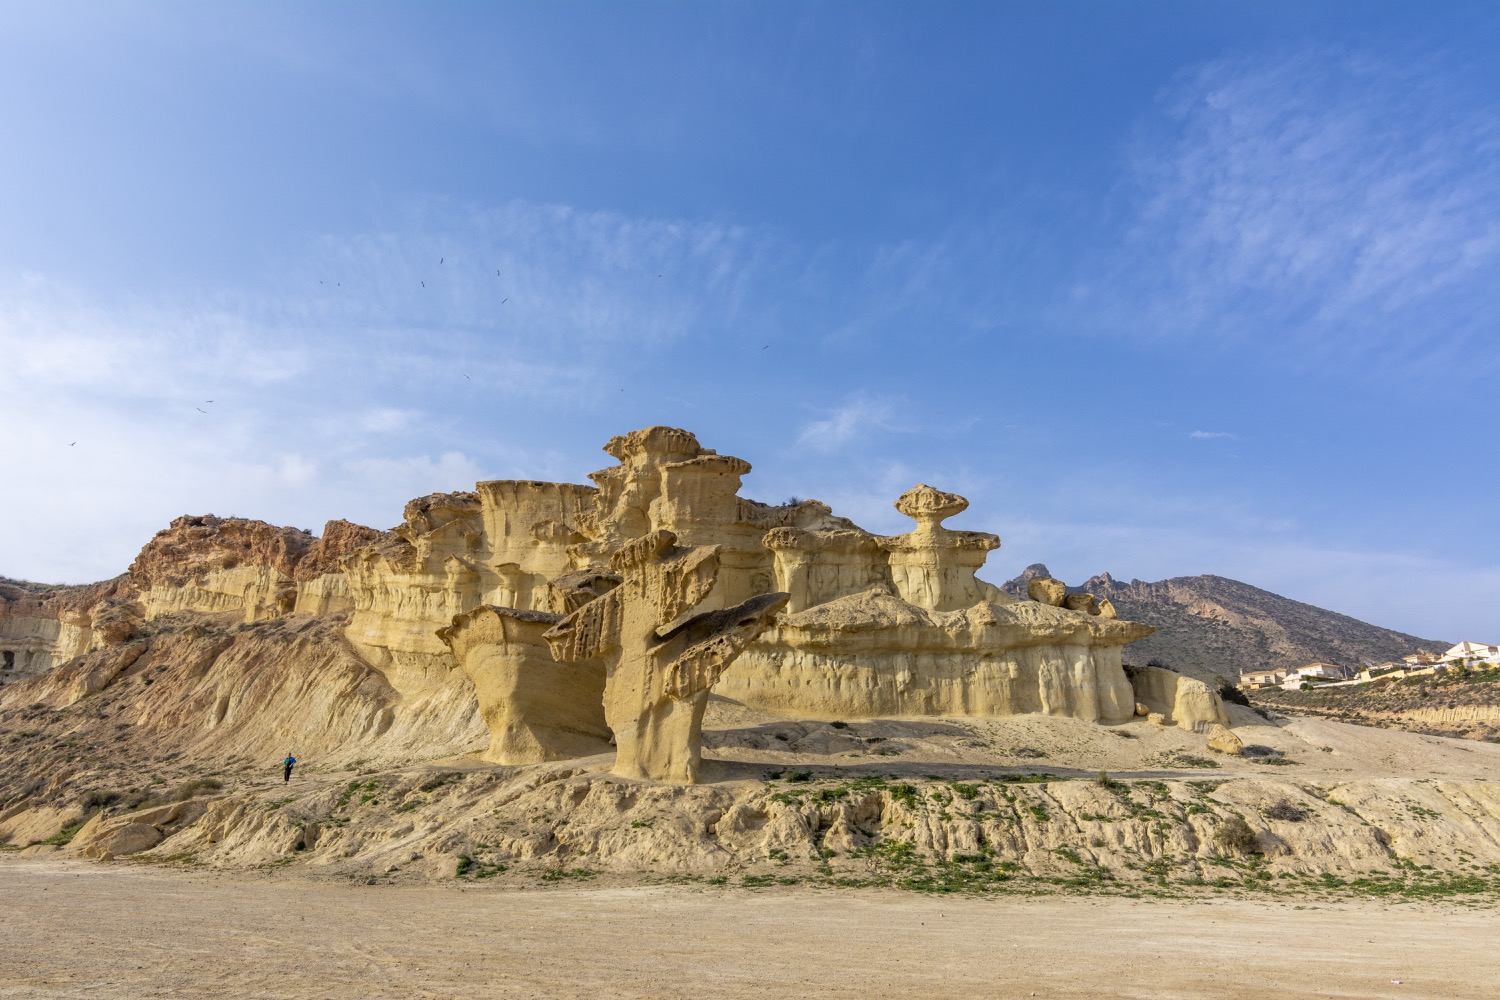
<point>441,259</point>
<point>497,274</point>
<point>503,301</point>
<point>72,443</point>
<point>200,409</point>
<point>763,348</point>
<point>424,284</point>
<point>466,376</point>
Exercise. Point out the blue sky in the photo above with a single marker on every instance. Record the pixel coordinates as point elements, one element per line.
<point>1164,289</point>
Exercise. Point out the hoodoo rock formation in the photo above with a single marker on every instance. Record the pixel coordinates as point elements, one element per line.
<point>567,617</point>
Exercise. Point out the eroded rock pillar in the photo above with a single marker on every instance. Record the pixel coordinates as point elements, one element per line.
<point>661,663</point>
<point>933,567</point>
<point>536,708</point>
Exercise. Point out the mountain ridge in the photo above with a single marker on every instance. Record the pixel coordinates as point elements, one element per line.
<point>1209,625</point>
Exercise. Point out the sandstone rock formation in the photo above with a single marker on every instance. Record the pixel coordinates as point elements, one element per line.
<point>1222,740</point>
<point>1047,591</point>
<point>536,708</point>
<point>552,615</point>
<point>659,673</point>
<point>1185,701</point>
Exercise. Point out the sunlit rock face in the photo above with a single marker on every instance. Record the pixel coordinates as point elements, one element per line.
<point>565,615</point>
<point>537,708</point>
<point>661,658</point>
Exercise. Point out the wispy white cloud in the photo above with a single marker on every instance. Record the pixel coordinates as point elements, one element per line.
<point>1209,435</point>
<point>340,386</point>
<point>1326,204</point>
<point>847,423</point>
<point>548,275</point>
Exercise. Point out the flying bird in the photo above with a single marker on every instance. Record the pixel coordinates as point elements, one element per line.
<point>441,259</point>
<point>763,348</point>
<point>503,301</point>
<point>200,409</point>
<point>72,443</point>
<point>466,376</point>
<point>424,284</point>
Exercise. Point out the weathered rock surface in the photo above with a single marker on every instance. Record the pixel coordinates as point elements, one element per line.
<point>1221,739</point>
<point>440,621</point>
<point>110,837</point>
<point>1185,701</point>
<point>537,708</point>
<point>659,673</point>
<point>1046,590</point>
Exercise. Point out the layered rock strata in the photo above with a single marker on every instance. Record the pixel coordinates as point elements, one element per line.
<point>465,601</point>
<point>537,708</point>
<point>660,666</point>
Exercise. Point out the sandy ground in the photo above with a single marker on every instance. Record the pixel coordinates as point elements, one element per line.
<point>70,929</point>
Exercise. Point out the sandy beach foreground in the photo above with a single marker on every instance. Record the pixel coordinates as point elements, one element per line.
<point>77,929</point>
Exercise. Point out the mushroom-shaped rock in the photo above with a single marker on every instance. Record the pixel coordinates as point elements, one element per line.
<point>930,507</point>
<point>659,666</point>
<point>536,708</point>
<point>933,567</point>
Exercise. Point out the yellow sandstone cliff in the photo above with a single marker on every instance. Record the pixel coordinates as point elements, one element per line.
<point>465,618</point>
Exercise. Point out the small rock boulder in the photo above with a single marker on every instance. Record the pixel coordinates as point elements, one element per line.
<point>1082,603</point>
<point>1045,590</point>
<point>1107,608</point>
<point>127,838</point>
<point>1156,719</point>
<point>1220,739</point>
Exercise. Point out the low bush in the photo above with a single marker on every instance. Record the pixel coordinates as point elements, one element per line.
<point>1284,810</point>
<point>198,785</point>
<point>1234,834</point>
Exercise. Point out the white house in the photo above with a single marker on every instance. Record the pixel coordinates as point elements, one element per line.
<point>1322,672</point>
<point>1318,672</point>
<point>1473,654</point>
<point>1261,678</point>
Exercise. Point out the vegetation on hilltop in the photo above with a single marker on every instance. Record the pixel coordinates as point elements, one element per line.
<point>1460,703</point>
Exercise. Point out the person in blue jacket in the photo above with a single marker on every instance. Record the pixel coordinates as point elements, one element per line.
<point>286,768</point>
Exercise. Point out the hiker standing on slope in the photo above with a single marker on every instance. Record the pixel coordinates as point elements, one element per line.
<point>286,768</point>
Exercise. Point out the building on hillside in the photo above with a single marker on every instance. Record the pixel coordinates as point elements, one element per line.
<point>1421,659</point>
<point>1473,654</point>
<point>1378,670</point>
<point>1254,679</point>
<point>1320,672</point>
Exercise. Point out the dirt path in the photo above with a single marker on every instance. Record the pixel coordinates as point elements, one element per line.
<point>71,929</point>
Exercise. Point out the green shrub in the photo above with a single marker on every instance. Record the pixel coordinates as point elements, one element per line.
<point>1232,694</point>
<point>1234,834</point>
<point>192,788</point>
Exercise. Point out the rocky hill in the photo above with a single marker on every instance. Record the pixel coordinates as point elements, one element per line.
<point>901,723</point>
<point>1460,703</point>
<point>1209,625</point>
